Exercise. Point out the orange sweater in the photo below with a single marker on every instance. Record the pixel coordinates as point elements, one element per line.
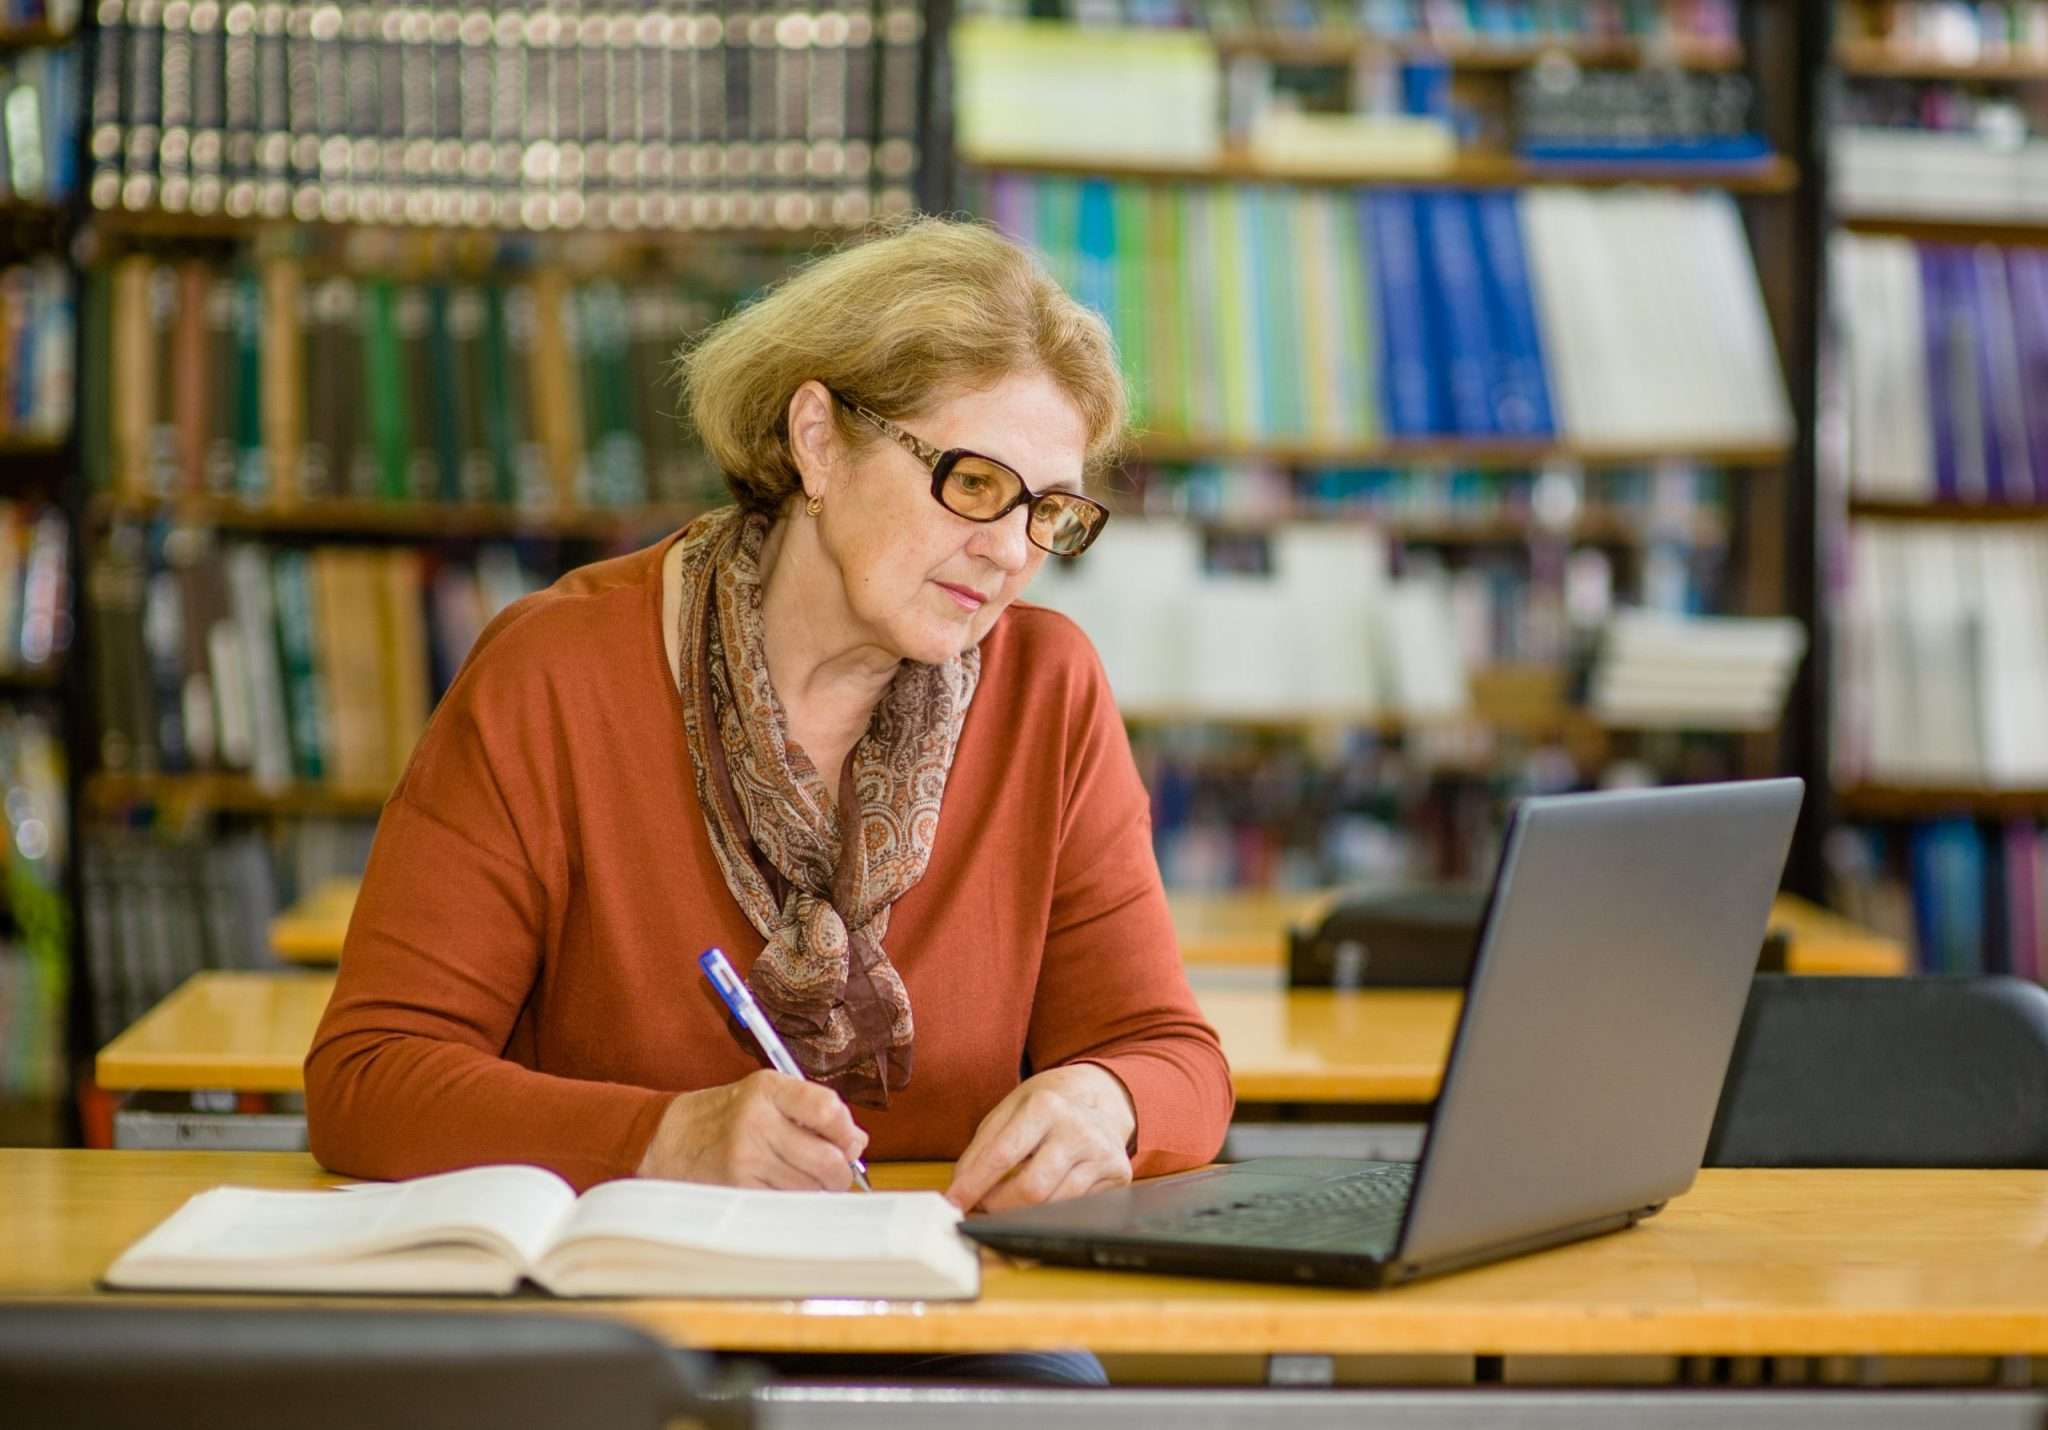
<point>520,984</point>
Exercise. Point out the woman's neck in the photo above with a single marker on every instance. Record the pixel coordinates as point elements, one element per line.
<point>827,672</point>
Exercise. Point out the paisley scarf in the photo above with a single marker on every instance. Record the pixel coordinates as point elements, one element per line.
<point>817,879</point>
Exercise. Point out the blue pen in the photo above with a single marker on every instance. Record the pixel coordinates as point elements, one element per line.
<point>744,1008</point>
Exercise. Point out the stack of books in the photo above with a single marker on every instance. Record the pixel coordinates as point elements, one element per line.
<point>741,114</point>
<point>1945,350</point>
<point>1250,313</point>
<point>265,386</point>
<point>316,665</point>
<point>38,323</point>
<point>1656,671</point>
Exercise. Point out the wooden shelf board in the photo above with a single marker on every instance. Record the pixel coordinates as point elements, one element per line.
<point>1485,453</point>
<point>402,519</point>
<point>1343,46</point>
<point>37,448</point>
<point>28,37</point>
<point>229,792</point>
<point>1875,59</point>
<point>1917,802</point>
<point>1955,511</point>
<point>1773,175</point>
<point>2010,232</point>
<point>645,241</point>
<point>30,680</point>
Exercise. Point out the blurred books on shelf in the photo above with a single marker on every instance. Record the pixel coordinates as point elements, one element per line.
<point>38,325</point>
<point>1255,312</point>
<point>35,588</point>
<point>275,388</point>
<point>1941,675</point>
<point>537,116</point>
<point>35,949</point>
<point>1970,898</point>
<point>1959,34</point>
<point>292,666</point>
<point>40,103</point>
<point>1945,352</point>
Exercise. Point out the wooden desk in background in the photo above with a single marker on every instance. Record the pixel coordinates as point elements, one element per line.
<point>1748,1263</point>
<point>1234,930</point>
<point>249,1032</point>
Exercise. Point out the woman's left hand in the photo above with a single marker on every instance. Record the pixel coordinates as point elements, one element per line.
<point>1057,1135</point>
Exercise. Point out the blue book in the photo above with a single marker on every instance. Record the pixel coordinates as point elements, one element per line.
<point>1280,329</point>
<point>1095,271</point>
<point>1456,293</point>
<point>1941,408</point>
<point>1408,367</point>
<point>1521,388</point>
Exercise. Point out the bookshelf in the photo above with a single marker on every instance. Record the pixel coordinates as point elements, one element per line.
<point>609,183</point>
<point>1472,453</point>
<point>1770,175</point>
<point>1935,774</point>
<point>1340,47</point>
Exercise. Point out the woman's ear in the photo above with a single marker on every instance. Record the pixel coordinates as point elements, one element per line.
<point>814,442</point>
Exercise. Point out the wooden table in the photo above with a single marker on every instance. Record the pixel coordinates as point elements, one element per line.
<point>1233,930</point>
<point>250,1031</point>
<point>1748,1263</point>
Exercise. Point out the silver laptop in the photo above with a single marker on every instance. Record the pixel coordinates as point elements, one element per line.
<point>1610,976</point>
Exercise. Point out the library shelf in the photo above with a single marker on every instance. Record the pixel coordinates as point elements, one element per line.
<point>1471,452</point>
<point>401,520</point>
<point>1932,228</point>
<point>1332,47</point>
<point>233,793</point>
<point>645,242</point>
<point>34,36</point>
<point>13,446</point>
<point>1875,59</point>
<point>30,679</point>
<point>1774,174</point>
<point>1956,511</point>
<point>1511,699</point>
<point>1594,526</point>
<point>1934,801</point>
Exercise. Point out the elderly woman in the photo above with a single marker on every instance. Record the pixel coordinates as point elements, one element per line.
<point>818,730</point>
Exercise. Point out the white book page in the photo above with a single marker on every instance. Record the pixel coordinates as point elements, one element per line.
<point>780,1226</point>
<point>512,1210</point>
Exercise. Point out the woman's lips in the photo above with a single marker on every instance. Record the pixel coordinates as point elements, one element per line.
<point>969,599</point>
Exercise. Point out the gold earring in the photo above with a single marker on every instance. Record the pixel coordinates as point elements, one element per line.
<point>814,506</point>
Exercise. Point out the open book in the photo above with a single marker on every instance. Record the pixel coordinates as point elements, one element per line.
<point>482,1230</point>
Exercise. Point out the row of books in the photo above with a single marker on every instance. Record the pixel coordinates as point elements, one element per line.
<point>1183,615</point>
<point>35,954</point>
<point>539,115</point>
<point>35,586</point>
<point>161,906</point>
<point>1918,173</point>
<point>1498,22</point>
<point>1941,673</point>
<point>265,385</point>
<point>1254,311</point>
<point>1678,501</point>
<point>317,665</point>
<point>1958,32</point>
<point>1945,355</point>
<point>40,104</point>
<point>1968,898</point>
<point>38,319</point>
<point>58,16</point>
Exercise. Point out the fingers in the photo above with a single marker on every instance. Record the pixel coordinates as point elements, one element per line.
<point>816,1108</point>
<point>1006,1137</point>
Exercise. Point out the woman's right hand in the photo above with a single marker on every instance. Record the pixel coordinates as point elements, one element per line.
<point>766,1130</point>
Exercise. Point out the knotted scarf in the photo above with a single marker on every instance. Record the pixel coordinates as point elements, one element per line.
<point>816,879</point>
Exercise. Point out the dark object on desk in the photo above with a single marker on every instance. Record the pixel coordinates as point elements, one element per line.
<point>168,1367</point>
<point>1419,937</point>
<point>1887,1072</point>
<point>1617,947</point>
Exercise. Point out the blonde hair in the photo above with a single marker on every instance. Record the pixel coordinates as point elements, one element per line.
<point>907,315</point>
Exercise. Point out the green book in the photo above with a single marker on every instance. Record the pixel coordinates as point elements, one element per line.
<point>305,702</point>
<point>252,467</point>
<point>495,375</point>
<point>1133,211</point>
<point>1236,299</point>
<point>1357,382</point>
<point>384,383</point>
<point>444,405</point>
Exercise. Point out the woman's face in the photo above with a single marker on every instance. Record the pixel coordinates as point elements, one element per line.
<point>926,584</point>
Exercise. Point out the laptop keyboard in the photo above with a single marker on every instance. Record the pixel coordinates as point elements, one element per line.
<point>1362,1211</point>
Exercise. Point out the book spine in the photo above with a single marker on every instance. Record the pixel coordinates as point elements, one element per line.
<point>143,54</point>
<point>106,140</point>
<point>2029,284</point>
<point>901,32</point>
<point>1521,389</point>
<point>1406,362</point>
<point>238,108</point>
<point>209,99</point>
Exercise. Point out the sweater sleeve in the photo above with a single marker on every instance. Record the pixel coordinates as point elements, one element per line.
<point>1112,990</point>
<point>407,1074</point>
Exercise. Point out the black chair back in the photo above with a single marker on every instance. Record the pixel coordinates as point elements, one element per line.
<point>1887,1072</point>
<point>161,1366</point>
